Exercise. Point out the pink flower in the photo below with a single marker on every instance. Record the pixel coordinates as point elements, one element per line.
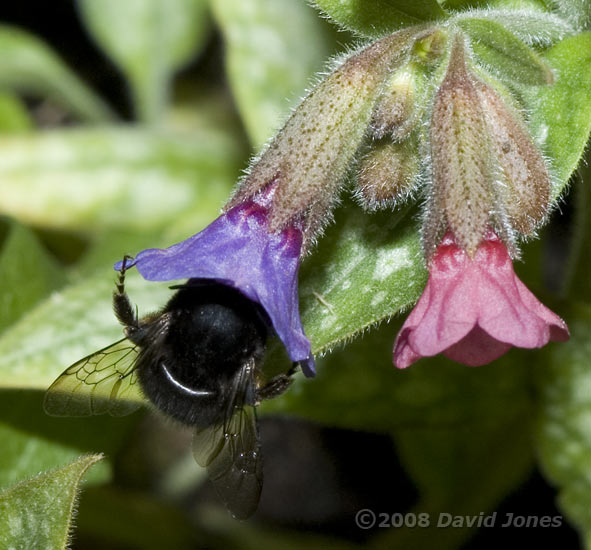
<point>474,309</point>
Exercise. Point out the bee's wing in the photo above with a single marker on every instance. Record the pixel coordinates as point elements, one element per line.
<point>231,452</point>
<point>103,382</point>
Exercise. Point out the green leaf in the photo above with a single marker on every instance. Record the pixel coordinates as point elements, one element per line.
<point>358,387</point>
<point>471,6</point>
<point>37,513</point>
<point>30,66</point>
<point>374,18</point>
<point>463,4</point>
<point>272,50</point>
<point>560,115</point>
<point>149,40</point>
<point>532,26</point>
<point>13,114</point>
<point>504,54</point>
<point>367,268</point>
<point>564,427</point>
<point>121,177</point>
<point>577,12</point>
<point>69,325</point>
<point>27,273</point>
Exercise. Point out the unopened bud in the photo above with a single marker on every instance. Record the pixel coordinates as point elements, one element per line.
<point>525,183</point>
<point>394,114</point>
<point>430,47</point>
<point>387,173</point>
<point>461,196</point>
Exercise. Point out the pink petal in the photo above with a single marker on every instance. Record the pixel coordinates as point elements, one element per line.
<point>502,313</point>
<point>558,328</point>
<point>451,311</point>
<point>404,355</point>
<point>474,309</point>
<point>476,349</point>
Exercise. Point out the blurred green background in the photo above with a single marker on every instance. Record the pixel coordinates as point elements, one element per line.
<point>125,125</point>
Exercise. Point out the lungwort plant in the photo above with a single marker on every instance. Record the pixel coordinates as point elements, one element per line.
<point>424,185</point>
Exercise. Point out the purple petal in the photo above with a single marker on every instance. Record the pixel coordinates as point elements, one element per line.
<point>236,249</point>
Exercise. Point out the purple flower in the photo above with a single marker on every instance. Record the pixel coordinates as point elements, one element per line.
<point>238,250</point>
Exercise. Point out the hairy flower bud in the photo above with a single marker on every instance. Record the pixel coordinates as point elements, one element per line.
<point>461,195</point>
<point>309,156</point>
<point>387,172</point>
<point>396,107</point>
<point>402,102</point>
<point>429,47</point>
<point>526,184</point>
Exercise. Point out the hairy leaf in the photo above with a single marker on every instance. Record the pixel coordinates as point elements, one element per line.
<point>560,115</point>
<point>532,26</point>
<point>367,268</point>
<point>378,17</point>
<point>577,12</point>
<point>504,54</point>
<point>37,513</point>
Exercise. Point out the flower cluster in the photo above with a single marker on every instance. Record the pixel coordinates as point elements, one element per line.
<point>413,111</point>
<point>489,184</point>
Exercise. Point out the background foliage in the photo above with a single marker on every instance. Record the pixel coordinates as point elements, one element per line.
<point>126,126</point>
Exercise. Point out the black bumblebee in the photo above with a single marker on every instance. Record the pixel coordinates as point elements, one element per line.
<point>196,361</point>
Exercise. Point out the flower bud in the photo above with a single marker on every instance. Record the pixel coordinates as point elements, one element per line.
<point>308,158</point>
<point>388,172</point>
<point>402,102</point>
<point>461,195</point>
<point>429,47</point>
<point>526,184</point>
<point>395,111</point>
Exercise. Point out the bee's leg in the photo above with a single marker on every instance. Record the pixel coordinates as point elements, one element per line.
<point>277,385</point>
<point>124,311</point>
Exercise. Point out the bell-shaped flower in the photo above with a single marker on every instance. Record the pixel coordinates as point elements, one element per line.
<point>238,249</point>
<point>474,309</point>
